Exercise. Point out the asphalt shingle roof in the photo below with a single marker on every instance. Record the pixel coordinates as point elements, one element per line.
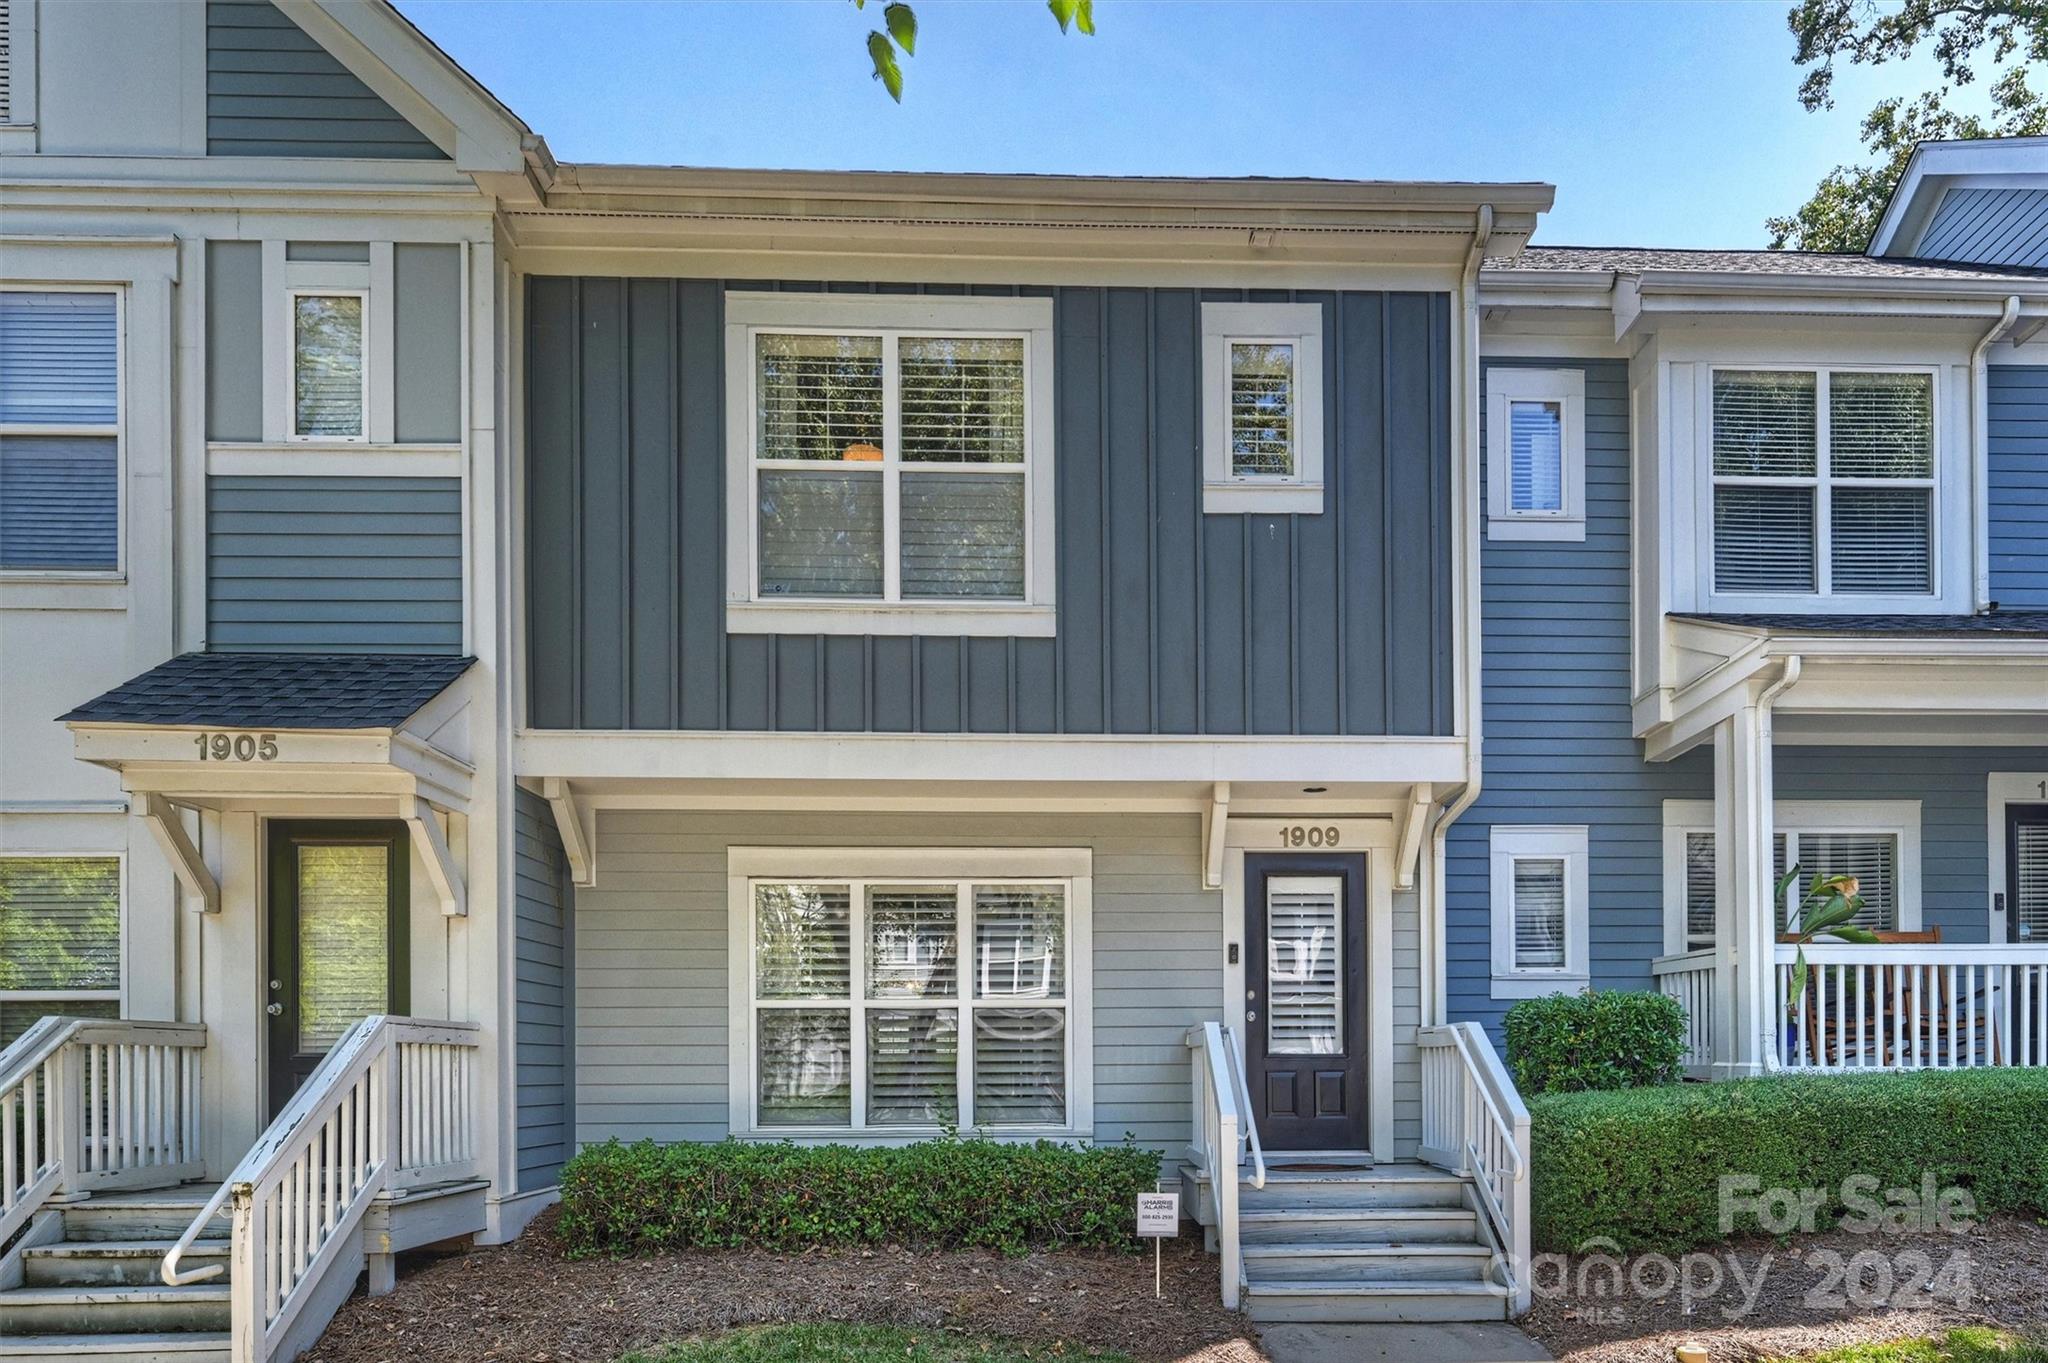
<point>1997,622</point>
<point>1640,260</point>
<point>278,691</point>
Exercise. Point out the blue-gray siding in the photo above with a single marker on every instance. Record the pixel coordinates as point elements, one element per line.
<point>544,1000</point>
<point>234,340</point>
<point>272,91</point>
<point>1169,621</point>
<point>2019,485</point>
<point>1989,227</point>
<point>426,317</point>
<point>334,565</point>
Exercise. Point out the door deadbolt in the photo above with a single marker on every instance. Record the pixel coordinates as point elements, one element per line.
<point>275,1009</point>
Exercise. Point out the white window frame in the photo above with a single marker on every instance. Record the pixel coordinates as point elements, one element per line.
<point>292,295</point>
<point>118,430</point>
<point>747,867</point>
<point>1296,324</point>
<point>1566,388</point>
<point>1824,599</point>
<point>1508,844</point>
<point>1027,319</point>
<point>1793,818</point>
<point>118,996</point>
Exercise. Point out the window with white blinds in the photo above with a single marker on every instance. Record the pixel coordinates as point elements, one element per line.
<point>1539,913</point>
<point>60,431</point>
<point>1875,841</point>
<point>60,939</point>
<point>890,466</point>
<point>1699,890</point>
<point>1823,482</point>
<point>2030,882</point>
<point>1535,453</point>
<point>330,380</point>
<point>1539,885</point>
<point>1304,965</point>
<point>911,1004</point>
<point>1870,859</point>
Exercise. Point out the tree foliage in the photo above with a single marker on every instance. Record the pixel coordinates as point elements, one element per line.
<point>900,21</point>
<point>1996,41</point>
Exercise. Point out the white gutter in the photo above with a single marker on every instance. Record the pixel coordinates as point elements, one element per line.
<point>1980,456</point>
<point>1435,1007</point>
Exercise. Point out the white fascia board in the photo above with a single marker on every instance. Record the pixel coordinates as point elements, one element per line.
<point>1679,290</point>
<point>1934,168</point>
<point>1003,758</point>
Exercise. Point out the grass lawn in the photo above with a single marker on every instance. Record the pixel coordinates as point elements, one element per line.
<point>885,1344</point>
<point>1958,1346</point>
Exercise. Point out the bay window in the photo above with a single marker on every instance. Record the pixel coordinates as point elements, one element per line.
<point>890,464</point>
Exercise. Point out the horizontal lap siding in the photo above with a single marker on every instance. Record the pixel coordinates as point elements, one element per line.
<point>1559,740</point>
<point>271,90</point>
<point>2019,486</point>
<point>1169,621</point>
<point>2006,226</point>
<point>334,565</point>
<point>544,1000</point>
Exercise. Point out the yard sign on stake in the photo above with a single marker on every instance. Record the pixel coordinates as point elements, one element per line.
<point>1158,1218</point>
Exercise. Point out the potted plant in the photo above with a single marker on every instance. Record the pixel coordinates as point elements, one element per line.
<point>1825,910</point>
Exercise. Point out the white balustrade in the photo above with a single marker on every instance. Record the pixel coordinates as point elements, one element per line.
<point>1913,1006</point>
<point>1474,1123</point>
<point>1225,1137</point>
<point>1691,978</point>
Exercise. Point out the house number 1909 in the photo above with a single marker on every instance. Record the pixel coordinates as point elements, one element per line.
<point>236,747</point>
<point>1308,835</point>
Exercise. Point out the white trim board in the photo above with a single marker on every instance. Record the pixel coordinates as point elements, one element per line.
<point>2004,788</point>
<point>1507,844</point>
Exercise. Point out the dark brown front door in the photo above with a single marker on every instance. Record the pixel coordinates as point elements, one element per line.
<point>337,938</point>
<point>1305,1004</point>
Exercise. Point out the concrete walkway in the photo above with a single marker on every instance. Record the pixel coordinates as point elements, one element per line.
<point>1451,1342</point>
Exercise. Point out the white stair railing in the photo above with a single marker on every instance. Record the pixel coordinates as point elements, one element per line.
<point>1474,1123</point>
<point>1224,1137</point>
<point>390,1108</point>
<point>91,1103</point>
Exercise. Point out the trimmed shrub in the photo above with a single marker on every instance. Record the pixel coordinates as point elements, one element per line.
<point>939,1194</point>
<point>1616,1039</point>
<point>1643,1168</point>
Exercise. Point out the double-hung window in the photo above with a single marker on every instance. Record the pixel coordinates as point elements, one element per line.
<point>60,939</point>
<point>1540,883</point>
<point>60,431</point>
<point>893,464</point>
<point>891,1004</point>
<point>1262,407</point>
<point>1823,483</point>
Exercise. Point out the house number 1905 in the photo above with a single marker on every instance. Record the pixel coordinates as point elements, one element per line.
<point>1308,835</point>
<point>237,747</point>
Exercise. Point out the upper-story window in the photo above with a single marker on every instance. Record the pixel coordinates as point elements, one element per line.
<point>60,431</point>
<point>330,380</point>
<point>1535,454</point>
<point>1824,482</point>
<point>1262,407</point>
<point>894,465</point>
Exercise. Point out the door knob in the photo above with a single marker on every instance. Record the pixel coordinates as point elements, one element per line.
<point>1251,1016</point>
<point>274,1009</point>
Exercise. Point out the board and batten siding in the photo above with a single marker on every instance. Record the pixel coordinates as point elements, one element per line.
<point>651,991</point>
<point>1169,620</point>
<point>2018,486</point>
<point>273,91</point>
<point>333,565</point>
<point>544,996</point>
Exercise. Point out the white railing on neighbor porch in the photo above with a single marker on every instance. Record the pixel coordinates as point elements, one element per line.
<point>1690,978</point>
<point>88,1103</point>
<point>392,1107</point>
<point>1914,1006</point>
<point>1225,1136</point>
<point>1474,1123</point>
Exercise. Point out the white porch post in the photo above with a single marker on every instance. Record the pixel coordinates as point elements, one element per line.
<point>1746,930</point>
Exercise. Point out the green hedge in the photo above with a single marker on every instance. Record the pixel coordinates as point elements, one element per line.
<point>648,1198</point>
<point>1643,1168</point>
<point>1615,1039</point>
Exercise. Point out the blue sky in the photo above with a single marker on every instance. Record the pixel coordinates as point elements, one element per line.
<point>1670,124</point>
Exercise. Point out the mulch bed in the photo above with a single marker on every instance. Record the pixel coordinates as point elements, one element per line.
<point>527,1303</point>
<point>2006,1286</point>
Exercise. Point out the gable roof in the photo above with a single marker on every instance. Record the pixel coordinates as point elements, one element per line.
<point>277,691</point>
<point>1938,169</point>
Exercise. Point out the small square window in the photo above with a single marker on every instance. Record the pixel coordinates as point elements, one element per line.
<point>1539,888</point>
<point>1536,454</point>
<point>1262,424</point>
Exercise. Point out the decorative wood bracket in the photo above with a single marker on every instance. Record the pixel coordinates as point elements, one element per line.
<point>186,863</point>
<point>1212,836</point>
<point>577,845</point>
<point>1420,797</point>
<point>441,868</point>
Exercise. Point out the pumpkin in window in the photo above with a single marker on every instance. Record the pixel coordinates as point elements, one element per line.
<point>861,452</point>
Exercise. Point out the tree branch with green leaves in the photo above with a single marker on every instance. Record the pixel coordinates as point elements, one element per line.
<point>899,34</point>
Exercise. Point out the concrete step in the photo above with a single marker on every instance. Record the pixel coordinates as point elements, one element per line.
<point>113,1310</point>
<point>185,1347</point>
<point>1367,1263</point>
<point>139,1216</point>
<point>1359,1225</point>
<point>115,1263</point>
<point>1374,1301</point>
<point>1400,1185</point>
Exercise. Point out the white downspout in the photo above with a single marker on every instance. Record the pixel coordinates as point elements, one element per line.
<point>1980,457</point>
<point>1435,1004</point>
<point>1764,967</point>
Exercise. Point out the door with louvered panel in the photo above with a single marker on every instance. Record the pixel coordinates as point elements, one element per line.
<point>1305,1005</point>
<point>2026,873</point>
<point>338,893</point>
